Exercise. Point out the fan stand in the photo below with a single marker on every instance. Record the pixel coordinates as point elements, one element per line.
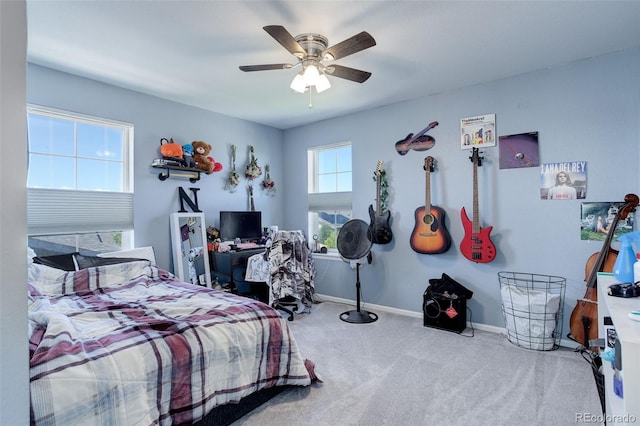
<point>358,316</point>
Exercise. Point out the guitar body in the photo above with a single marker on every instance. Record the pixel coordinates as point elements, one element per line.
<point>430,236</point>
<point>476,246</point>
<point>404,146</point>
<point>379,226</point>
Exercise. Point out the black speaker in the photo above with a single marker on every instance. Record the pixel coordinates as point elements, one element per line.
<point>444,304</point>
<point>445,313</point>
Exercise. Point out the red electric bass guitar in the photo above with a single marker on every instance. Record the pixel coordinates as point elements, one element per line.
<point>476,244</point>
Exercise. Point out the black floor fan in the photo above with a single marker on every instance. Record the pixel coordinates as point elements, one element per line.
<point>354,244</point>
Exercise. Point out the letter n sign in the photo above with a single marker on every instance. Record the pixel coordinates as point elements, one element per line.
<point>184,198</point>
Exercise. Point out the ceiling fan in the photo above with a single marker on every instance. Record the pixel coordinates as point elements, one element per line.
<point>312,50</point>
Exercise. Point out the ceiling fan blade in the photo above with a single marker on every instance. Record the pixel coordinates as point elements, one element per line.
<point>265,67</point>
<point>349,46</point>
<point>282,36</point>
<point>348,73</point>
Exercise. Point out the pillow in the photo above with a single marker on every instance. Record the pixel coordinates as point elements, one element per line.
<point>45,280</point>
<point>65,262</point>
<point>91,261</point>
<point>141,252</point>
<point>30,255</point>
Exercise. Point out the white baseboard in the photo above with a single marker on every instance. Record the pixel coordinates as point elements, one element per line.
<point>567,343</point>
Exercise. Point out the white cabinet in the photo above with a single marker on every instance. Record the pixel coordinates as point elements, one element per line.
<point>623,410</point>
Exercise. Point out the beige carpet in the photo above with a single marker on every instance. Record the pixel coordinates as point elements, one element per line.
<point>397,372</point>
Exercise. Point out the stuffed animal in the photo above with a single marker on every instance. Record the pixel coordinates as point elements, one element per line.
<point>216,166</point>
<point>201,150</point>
<point>170,149</point>
<point>204,163</point>
<point>187,156</point>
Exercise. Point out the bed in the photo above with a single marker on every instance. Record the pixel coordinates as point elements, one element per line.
<point>126,343</point>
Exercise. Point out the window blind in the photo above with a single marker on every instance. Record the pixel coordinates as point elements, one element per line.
<point>328,201</point>
<point>60,211</point>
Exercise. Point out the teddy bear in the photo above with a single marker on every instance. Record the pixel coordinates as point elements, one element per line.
<point>204,163</point>
<point>187,156</point>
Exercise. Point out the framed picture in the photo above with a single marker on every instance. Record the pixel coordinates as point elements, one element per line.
<point>563,181</point>
<point>596,220</point>
<point>477,132</point>
<point>519,150</point>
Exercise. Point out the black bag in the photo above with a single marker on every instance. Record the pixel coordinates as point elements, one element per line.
<point>445,304</point>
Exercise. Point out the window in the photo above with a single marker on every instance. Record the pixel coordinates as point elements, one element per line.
<point>79,183</point>
<point>329,192</point>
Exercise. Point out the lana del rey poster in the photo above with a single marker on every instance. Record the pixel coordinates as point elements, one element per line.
<point>563,181</point>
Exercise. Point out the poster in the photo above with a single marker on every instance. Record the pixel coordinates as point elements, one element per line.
<point>519,150</point>
<point>563,181</point>
<point>478,132</point>
<point>596,220</point>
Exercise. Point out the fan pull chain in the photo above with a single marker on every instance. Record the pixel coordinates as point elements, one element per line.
<point>310,103</point>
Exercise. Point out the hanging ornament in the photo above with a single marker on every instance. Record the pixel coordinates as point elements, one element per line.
<point>384,189</point>
<point>267,184</point>
<point>252,170</point>
<point>252,206</point>
<point>234,177</point>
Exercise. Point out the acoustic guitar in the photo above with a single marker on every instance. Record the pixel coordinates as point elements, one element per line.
<point>476,244</point>
<point>419,142</point>
<point>379,226</point>
<point>429,236</point>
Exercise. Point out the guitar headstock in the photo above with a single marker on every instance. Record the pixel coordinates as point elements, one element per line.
<point>429,163</point>
<point>475,157</point>
<point>379,169</point>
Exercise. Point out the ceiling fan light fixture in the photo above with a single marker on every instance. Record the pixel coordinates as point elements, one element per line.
<point>298,83</point>
<point>311,74</point>
<point>322,83</point>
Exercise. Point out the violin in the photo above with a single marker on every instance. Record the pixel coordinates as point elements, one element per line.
<point>584,318</point>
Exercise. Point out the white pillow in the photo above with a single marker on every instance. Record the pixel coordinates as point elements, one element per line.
<point>138,253</point>
<point>30,255</point>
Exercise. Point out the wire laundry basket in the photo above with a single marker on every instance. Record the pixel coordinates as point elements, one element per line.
<point>532,309</point>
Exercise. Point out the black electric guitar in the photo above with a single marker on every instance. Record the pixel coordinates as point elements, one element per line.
<point>429,236</point>
<point>379,226</point>
<point>419,142</point>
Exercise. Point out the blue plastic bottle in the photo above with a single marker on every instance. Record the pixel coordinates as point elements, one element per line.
<point>623,268</point>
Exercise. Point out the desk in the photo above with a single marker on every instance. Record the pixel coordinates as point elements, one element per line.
<point>232,265</point>
<point>623,410</point>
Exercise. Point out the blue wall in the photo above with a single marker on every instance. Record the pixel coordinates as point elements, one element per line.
<point>586,111</point>
<point>154,118</point>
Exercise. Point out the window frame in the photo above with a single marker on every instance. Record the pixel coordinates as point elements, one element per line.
<point>74,212</point>
<point>338,202</point>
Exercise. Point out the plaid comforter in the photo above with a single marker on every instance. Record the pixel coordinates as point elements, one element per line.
<point>128,344</point>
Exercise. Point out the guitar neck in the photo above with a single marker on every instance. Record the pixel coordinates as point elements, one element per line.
<point>378,204</point>
<point>427,193</point>
<point>476,212</point>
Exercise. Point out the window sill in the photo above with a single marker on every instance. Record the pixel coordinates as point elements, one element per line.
<point>328,256</point>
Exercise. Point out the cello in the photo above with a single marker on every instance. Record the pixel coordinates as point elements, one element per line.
<point>584,318</point>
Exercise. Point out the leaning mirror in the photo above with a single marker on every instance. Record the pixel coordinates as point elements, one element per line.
<point>190,254</point>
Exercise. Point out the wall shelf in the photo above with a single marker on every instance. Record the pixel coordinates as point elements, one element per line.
<point>187,172</point>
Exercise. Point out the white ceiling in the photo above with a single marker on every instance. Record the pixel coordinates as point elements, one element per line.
<point>189,51</point>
